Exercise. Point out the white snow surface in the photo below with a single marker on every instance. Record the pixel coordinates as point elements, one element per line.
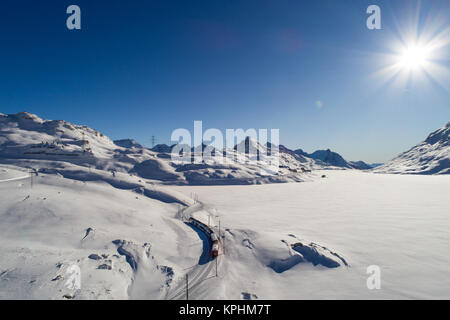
<point>397,222</point>
<point>348,221</point>
<point>58,223</point>
<point>71,197</point>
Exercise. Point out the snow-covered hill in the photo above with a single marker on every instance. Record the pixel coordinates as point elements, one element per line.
<point>431,156</point>
<point>124,239</point>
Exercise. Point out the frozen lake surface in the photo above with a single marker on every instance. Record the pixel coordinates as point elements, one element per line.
<point>400,223</point>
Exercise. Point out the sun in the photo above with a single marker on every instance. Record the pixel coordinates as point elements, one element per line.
<point>413,57</point>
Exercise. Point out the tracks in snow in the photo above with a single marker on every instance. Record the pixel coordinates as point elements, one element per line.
<point>200,272</point>
<point>196,276</point>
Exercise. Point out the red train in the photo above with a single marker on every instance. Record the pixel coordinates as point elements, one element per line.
<point>215,246</point>
<point>214,239</point>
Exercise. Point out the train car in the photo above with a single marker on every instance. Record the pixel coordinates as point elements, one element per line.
<point>213,237</point>
<point>200,225</point>
<point>215,247</point>
<point>215,250</point>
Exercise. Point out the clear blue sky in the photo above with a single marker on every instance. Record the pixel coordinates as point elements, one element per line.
<point>141,68</point>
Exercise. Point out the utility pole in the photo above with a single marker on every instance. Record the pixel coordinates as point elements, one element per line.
<point>187,286</point>
<point>222,240</point>
<point>31,179</point>
<point>223,244</point>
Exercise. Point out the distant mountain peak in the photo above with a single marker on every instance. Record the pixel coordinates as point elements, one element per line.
<point>331,158</point>
<point>250,145</point>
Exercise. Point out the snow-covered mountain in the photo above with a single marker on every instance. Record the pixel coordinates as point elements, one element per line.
<point>431,156</point>
<point>326,158</point>
<point>65,148</point>
<point>332,158</point>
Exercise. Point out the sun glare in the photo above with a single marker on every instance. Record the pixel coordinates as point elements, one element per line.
<point>416,52</point>
<point>413,57</point>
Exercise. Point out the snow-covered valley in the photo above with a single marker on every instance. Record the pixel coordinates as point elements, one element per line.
<point>128,245</point>
<point>85,217</point>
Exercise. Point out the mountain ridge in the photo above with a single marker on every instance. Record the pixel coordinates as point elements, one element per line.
<point>432,156</point>
<point>328,157</point>
<point>78,151</point>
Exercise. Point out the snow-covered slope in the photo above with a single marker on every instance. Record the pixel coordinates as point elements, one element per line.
<point>432,156</point>
<point>124,242</point>
<point>27,135</point>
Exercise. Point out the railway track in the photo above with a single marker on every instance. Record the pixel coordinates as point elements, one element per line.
<point>199,273</point>
<point>196,277</point>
